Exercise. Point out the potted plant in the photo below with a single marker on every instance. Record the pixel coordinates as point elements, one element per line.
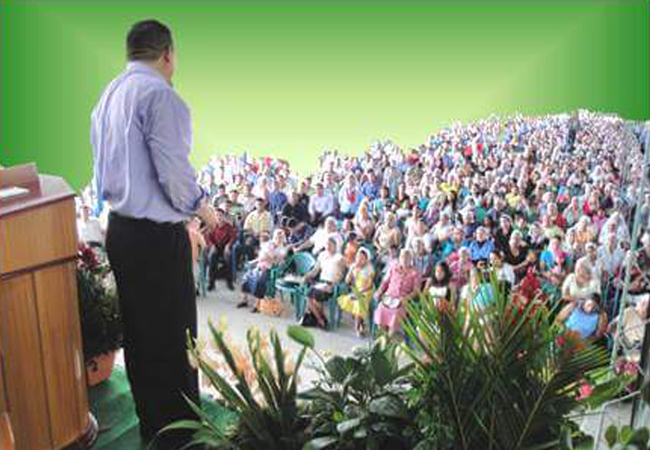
<point>101,322</point>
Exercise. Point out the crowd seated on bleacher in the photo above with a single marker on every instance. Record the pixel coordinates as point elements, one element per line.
<point>546,203</point>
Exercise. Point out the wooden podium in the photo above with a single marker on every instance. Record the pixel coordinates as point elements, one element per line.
<point>42,369</point>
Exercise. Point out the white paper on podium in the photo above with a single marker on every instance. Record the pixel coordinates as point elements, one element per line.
<point>12,191</point>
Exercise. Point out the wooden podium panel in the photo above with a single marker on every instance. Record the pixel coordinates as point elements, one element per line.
<point>3,400</point>
<point>59,322</point>
<point>42,369</point>
<point>22,350</point>
<point>37,237</point>
<point>6,435</point>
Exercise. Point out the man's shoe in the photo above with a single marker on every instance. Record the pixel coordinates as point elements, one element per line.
<point>325,326</point>
<point>230,285</point>
<point>211,288</point>
<point>242,304</point>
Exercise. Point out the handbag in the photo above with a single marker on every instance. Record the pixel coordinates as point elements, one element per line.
<point>271,306</point>
<point>308,320</point>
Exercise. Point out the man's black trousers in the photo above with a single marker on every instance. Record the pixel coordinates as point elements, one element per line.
<point>152,264</point>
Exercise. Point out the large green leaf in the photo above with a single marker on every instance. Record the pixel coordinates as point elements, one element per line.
<point>338,369</point>
<point>389,406</point>
<point>587,443</point>
<point>611,435</point>
<point>382,369</point>
<point>301,335</point>
<point>349,425</point>
<point>640,437</point>
<point>321,443</point>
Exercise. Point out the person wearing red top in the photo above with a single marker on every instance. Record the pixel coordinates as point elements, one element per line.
<point>221,240</point>
<point>556,218</point>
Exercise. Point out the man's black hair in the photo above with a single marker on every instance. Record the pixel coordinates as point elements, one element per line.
<point>148,40</point>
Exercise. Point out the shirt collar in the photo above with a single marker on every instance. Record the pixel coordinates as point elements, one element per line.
<point>137,66</point>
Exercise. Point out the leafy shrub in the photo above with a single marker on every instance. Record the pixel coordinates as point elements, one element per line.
<point>499,377</point>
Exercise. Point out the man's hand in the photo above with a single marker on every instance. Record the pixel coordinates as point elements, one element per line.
<point>208,215</point>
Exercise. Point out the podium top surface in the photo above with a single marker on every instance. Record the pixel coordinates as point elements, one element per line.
<point>43,189</point>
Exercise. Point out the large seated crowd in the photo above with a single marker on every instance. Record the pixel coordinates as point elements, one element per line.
<point>546,204</point>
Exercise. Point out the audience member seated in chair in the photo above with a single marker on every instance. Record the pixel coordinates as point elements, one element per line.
<point>453,244</point>
<point>382,204</point>
<point>272,252</point>
<point>321,205</point>
<point>221,241</point>
<point>349,197</point>
<point>294,214</point>
<point>580,284</point>
<point>387,237</point>
<point>482,245</point>
<point>364,224</point>
<point>277,200</point>
<point>318,241</point>
<point>330,269</point>
<point>360,277</point>
<point>257,222</point>
<point>584,317</point>
<point>422,259</point>
<point>633,329</point>
<point>502,269</point>
<point>461,265</point>
<point>402,282</point>
<point>439,287</point>
<point>517,254</point>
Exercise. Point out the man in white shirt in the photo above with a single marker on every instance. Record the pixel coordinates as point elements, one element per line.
<point>318,241</point>
<point>349,197</point>
<point>89,228</point>
<point>610,255</point>
<point>321,205</point>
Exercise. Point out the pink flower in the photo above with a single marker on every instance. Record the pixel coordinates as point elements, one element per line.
<point>631,369</point>
<point>585,391</point>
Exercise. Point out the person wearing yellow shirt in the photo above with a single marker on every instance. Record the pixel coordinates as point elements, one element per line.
<point>259,220</point>
<point>514,199</point>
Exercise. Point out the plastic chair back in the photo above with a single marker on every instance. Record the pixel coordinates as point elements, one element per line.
<point>303,262</point>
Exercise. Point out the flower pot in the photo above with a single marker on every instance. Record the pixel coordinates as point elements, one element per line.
<point>99,368</point>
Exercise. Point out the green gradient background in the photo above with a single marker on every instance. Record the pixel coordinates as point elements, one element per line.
<point>292,78</point>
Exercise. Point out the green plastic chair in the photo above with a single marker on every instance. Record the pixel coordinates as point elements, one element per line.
<point>302,263</point>
<point>275,273</point>
<point>202,281</point>
<point>333,304</point>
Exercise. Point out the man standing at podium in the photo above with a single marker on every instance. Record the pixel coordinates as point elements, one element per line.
<point>141,137</point>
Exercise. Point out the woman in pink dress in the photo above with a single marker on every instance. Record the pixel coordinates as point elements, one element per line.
<point>460,265</point>
<point>401,283</point>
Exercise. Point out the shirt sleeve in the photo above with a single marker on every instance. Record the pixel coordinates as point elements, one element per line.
<point>248,223</point>
<point>330,205</point>
<point>233,235</point>
<point>169,136</point>
<point>266,222</point>
<point>310,207</point>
